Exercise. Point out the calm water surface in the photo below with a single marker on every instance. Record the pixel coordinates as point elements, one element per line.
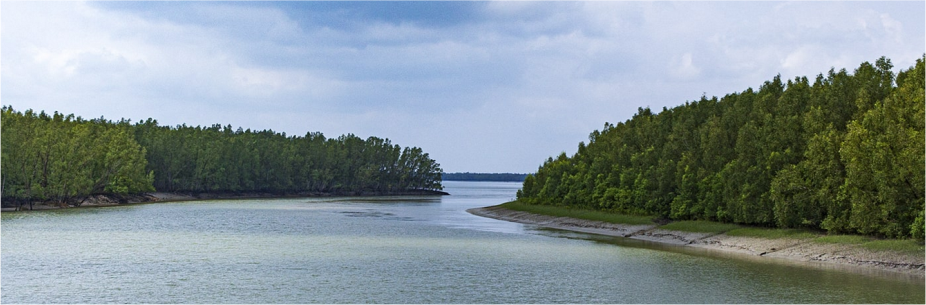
<point>381,250</point>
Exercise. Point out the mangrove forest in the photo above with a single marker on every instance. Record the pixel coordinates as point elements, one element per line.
<point>843,153</point>
<point>61,158</point>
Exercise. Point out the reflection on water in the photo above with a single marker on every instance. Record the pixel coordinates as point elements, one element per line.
<point>386,199</point>
<point>382,250</point>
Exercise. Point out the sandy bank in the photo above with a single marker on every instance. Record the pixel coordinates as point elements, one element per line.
<point>792,249</point>
<point>10,204</point>
<point>100,200</point>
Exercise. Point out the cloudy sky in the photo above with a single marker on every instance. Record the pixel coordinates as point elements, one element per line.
<point>481,86</point>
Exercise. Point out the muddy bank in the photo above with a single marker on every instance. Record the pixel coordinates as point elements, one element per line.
<point>10,204</point>
<point>792,249</point>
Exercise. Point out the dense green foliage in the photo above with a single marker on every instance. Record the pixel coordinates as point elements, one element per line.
<point>222,159</point>
<point>57,157</point>
<point>844,154</point>
<point>61,157</point>
<point>484,177</point>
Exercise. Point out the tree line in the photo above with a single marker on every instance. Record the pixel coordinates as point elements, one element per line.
<point>844,154</point>
<point>62,157</point>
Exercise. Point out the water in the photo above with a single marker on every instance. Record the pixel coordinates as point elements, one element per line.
<point>381,250</point>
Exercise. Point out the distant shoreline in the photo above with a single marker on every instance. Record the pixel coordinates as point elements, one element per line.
<point>485,177</point>
<point>791,249</point>
<point>103,200</point>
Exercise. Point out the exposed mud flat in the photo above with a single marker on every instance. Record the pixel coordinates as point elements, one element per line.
<point>11,204</point>
<point>99,200</point>
<point>793,249</point>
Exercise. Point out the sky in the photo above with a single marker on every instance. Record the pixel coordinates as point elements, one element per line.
<point>480,86</point>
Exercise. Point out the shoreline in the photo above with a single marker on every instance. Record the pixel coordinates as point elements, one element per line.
<point>108,200</point>
<point>800,250</point>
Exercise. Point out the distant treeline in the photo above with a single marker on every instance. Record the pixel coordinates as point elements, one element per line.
<point>844,153</point>
<point>484,177</point>
<point>61,157</point>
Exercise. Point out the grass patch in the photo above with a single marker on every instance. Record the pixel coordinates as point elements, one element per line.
<point>700,226</point>
<point>771,233</point>
<point>909,246</point>
<point>579,213</point>
<point>843,239</point>
<point>900,245</point>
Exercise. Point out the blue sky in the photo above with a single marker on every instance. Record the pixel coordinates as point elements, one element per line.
<point>481,86</point>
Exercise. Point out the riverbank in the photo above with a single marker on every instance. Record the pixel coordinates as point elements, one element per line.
<point>103,200</point>
<point>801,249</point>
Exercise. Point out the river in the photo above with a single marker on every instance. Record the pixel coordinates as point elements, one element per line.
<point>381,250</point>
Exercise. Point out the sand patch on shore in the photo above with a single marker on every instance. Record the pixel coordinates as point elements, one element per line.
<point>164,196</point>
<point>793,249</point>
<point>572,224</point>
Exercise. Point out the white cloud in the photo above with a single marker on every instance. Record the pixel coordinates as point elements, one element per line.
<point>684,68</point>
<point>893,27</point>
<point>501,92</point>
